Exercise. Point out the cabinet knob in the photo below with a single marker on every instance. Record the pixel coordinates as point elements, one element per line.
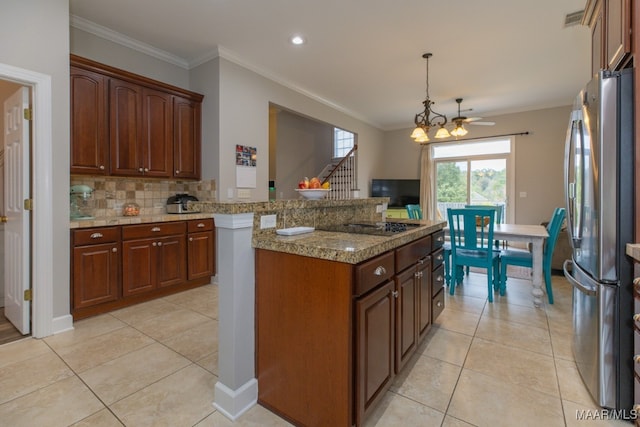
<point>159,243</point>
<point>379,271</point>
<point>636,358</point>
<point>154,244</point>
<point>96,235</point>
<point>114,249</point>
<point>440,257</point>
<point>146,169</point>
<point>101,167</point>
<point>395,294</point>
<point>636,317</point>
<point>191,239</point>
<point>140,170</point>
<point>200,225</point>
<point>155,229</point>
<point>177,172</point>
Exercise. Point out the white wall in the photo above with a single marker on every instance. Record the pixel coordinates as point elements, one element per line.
<point>35,37</point>
<point>538,162</point>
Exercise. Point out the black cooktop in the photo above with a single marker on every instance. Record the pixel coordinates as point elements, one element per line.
<point>371,228</point>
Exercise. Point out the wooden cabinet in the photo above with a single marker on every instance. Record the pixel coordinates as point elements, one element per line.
<point>200,249</point>
<point>610,23</point>
<point>187,138</point>
<point>89,136</point>
<point>153,256</point>
<point>139,126</point>
<point>113,267</point>
<point>437,274</point>
<point>341,332</point>
<point>96,266</point>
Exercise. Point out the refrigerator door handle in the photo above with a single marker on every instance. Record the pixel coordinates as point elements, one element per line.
<point>568,268</point>
<point>570,187</point>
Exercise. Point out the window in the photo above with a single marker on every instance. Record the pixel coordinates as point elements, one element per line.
<point>343,142</point>
<point>473,173</point>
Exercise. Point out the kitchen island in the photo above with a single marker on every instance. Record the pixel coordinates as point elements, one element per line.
<point>339,314</point>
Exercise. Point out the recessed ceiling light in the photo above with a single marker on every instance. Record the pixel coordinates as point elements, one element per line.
<point>297,39</point>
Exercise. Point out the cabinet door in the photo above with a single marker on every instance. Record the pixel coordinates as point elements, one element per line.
<point>89,144</point>
<point>406,316</point>
<point>200,255</point>
<point>157,142</point>
<point>618,39</point>
<point>139,268</point>
<point>375,321</point>
<point>424,277</point>
<point>125,128</point>
<point>186,142</point>
<point>95,274</point>
<point>597,40</point>
<point>171,260</point>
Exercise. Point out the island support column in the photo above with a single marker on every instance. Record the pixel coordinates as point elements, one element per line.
<point>237,388</point>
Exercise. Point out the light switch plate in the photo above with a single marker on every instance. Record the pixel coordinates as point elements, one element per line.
<point>267,221</point>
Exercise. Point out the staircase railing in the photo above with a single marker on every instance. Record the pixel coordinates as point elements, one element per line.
<point>344,159</point>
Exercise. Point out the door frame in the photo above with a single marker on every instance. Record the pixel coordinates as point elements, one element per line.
<point>42,189</point>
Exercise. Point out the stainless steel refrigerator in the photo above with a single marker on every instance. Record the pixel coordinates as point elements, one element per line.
<point>599,190</point>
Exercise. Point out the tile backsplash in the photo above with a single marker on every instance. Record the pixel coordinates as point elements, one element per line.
<point>111,193</point>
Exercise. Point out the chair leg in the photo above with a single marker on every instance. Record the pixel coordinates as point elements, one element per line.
<point>490,281</point>
<point>547,282</point>
<point>447,269</point>
<point>503,277</point>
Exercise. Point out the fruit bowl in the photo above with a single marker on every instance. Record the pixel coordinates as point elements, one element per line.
<point>313,193</point>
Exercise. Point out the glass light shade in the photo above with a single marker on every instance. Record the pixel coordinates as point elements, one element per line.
<point>442,133</point>
<point>459,131</point>
<point>422,139</point>
<point>418,132</point>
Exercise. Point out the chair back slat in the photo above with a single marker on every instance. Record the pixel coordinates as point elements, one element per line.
<point>554,230</point>
<point>414,211</point>
<point>467,229</point>
<point>499,209</point>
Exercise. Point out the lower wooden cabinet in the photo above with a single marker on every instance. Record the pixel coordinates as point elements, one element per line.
<point>117,266</point>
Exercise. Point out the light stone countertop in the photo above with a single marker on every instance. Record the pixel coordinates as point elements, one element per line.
<point>142,219</point>
<point>343,247</point>
<point>633,250</point>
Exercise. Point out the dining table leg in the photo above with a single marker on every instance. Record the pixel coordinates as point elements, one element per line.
<point>537,291</point>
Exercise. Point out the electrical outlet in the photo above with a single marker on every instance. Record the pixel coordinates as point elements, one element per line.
<point>229,193</point>
<point>267,221</point>
<point>244,193</point>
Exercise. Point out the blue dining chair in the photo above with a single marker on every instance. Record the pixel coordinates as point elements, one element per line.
<point>472,245</point>
<point>525,259</point>
<point>499,210</point>
<point>414,211</point>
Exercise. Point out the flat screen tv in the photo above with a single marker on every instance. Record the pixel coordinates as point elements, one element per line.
<point>401,192</point>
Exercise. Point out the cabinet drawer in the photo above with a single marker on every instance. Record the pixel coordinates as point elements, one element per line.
<point>373,272</point>
<point>196,225</point>
<point>437,258</point>
<point>410,253</point>
<point>94,236</point>
<point>155,229</point>
<point>437,305</point>
<point>437,279</point>
<point>437,240</point>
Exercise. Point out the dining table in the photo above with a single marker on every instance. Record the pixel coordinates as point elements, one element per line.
<point>534,234</point>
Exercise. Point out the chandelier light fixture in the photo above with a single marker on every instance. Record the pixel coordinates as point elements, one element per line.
<point>424,121</point>
<point>458,121</point>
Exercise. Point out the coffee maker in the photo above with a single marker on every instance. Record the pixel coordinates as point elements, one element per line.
<point>81,202</point>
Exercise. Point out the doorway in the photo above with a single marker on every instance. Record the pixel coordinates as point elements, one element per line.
<point>41,172</point>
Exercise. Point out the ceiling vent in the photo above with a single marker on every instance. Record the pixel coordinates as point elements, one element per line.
<point>574,18</point>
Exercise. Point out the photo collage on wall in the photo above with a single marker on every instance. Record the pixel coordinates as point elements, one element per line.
<point>246,156</point>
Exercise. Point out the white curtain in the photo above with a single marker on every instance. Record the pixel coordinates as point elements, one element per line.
<point>427,189</point>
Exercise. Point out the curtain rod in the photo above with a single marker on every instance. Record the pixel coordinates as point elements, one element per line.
<point>479,137</point>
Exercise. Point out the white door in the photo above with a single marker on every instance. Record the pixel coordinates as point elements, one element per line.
<point>17,277</point>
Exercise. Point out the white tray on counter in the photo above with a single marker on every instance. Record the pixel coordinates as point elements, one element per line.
<point>294,230</point>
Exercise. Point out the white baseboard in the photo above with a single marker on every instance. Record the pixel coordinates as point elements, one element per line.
<point>62,324</point>
<point>233,403</point>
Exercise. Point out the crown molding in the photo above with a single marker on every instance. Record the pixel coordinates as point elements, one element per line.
<point>113,36</point>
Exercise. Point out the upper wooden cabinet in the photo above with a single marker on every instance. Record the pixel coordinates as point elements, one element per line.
<point>89,131</point>
<point>128,125</point>
<point>610,23</point>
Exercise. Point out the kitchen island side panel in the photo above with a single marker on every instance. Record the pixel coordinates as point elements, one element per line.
<point>304,338</point>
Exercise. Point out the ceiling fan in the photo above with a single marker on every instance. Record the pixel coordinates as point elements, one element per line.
<point>460,120</point>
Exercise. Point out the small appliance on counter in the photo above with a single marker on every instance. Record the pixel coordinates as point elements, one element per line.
<point>178,204</point>
<point>81,202</point>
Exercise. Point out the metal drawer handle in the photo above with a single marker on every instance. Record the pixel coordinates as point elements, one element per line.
<point>636,317</point>
<point>439,278</point>
<point>379,271</point>
<point>440,257</point>
<point>440,239</point>
<point>101,167</point>
<point>395,294</point>
<point>421,261</point>
<point>96,235</point>
<point>200,225</point>
<point>439,304</point>
<point>156,229</point>
<point>636,358</point>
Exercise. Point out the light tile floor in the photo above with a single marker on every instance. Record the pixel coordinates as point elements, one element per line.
<point>482,364</point>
